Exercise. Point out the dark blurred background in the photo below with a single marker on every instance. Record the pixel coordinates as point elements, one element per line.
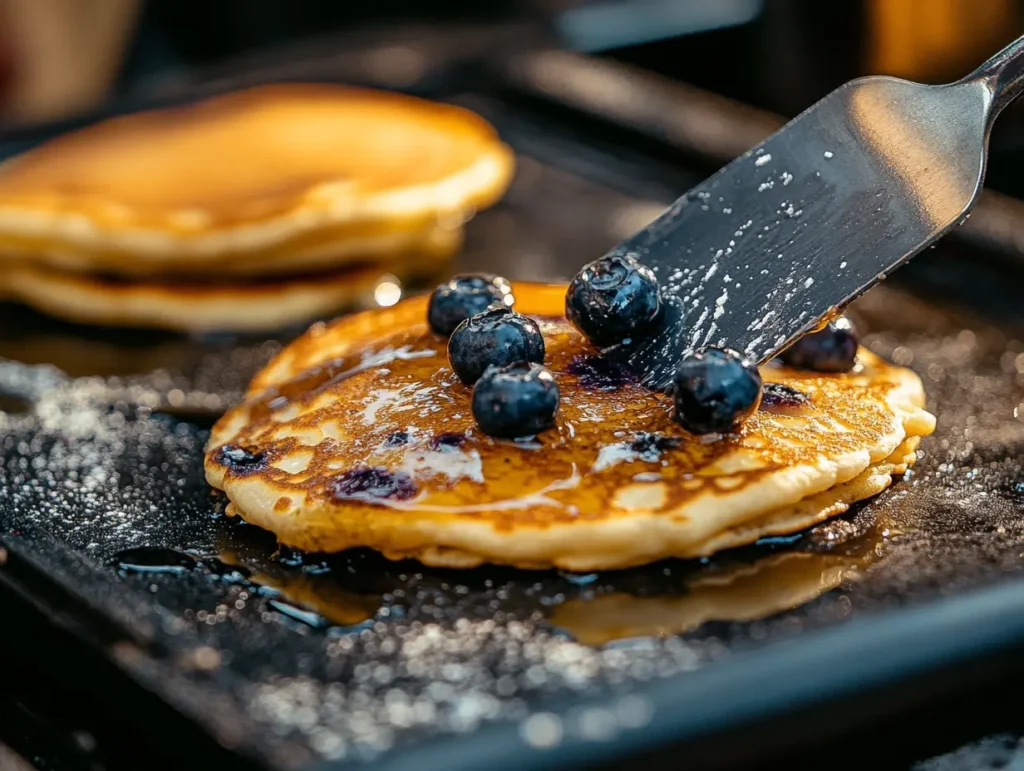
<point>777,54</point>
<point>60,58</point>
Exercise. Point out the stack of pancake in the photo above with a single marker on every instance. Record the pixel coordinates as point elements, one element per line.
<point>253,210</point>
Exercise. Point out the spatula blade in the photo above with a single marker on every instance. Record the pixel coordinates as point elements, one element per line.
<point>799,226</point>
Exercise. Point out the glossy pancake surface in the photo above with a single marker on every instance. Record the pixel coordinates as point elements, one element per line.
<point>247,172</point>
<point>359,434</point>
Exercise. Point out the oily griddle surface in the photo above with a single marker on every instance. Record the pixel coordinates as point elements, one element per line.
<point>306,657</point>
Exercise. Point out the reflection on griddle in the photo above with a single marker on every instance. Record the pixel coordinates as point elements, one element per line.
<point>671,598</point>
<point>319,594</point>
<point>745,592</point>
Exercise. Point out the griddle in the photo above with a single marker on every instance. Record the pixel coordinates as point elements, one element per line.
<point>122,579</point>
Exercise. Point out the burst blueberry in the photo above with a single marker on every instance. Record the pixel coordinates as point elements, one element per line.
<point>465,295</point>
<point>780,395</point>
<point>832,349</point>
<point>448,441</point>
<point>396,439</point>
<point>241,459</point>
<point>612,299</point>
<point>516,401</point>
<point>497,337</point>
<point>599,373</point>
<point>372,483</point>
<point>715,391</point>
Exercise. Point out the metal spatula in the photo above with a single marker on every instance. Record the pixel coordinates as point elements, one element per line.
<point>786,235</point>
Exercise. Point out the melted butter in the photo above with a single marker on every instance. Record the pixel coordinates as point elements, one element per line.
<point>319,379</point>
<point>611,454</point>
<point>455,465</point>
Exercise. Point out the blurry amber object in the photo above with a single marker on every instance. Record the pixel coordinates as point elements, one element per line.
<point>61,56</point>
<point>936,40</point>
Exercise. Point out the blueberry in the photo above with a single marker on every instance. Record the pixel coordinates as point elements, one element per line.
<point>496,337</point>
<point>715,390</point>
<point>612,299</point>
<point>465,295</point>
<point>515,401</point>
<point>832,349</point>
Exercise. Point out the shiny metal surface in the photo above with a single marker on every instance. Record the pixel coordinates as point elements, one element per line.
<point>793,230</point>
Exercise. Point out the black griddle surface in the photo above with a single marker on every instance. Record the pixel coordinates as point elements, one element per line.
<point>298,659</point>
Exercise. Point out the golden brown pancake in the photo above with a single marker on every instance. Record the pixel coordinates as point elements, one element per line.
<point>615,483</point>
<point>213,306</point>
<point>256,177</point>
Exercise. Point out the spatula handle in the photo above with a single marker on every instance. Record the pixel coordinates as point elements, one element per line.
<point>1004,75</point>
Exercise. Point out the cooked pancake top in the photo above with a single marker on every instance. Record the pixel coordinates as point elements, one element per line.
<point>365,415</point>
<point>261,154</point>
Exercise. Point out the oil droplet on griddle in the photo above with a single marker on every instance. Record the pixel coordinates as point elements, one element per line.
<point>153,559</point>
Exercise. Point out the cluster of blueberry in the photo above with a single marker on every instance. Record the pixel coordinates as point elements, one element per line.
<point>500,352</point>
<point>497,351</point>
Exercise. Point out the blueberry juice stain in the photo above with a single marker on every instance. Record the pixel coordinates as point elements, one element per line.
<point>599,373</point>
<point>372,483</point>
<point>779,395</point>
<point>652,446</point>
<point>397,439</point>
<point>240,460</point>
<point>448,441</point>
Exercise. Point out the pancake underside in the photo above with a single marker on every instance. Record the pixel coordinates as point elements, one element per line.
<point>329,248</point>
<point>219,305</point>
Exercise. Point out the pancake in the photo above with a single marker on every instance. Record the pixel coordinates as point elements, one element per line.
<point>214,306</point>
<point>255,178</point>
<point>616,482</point>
